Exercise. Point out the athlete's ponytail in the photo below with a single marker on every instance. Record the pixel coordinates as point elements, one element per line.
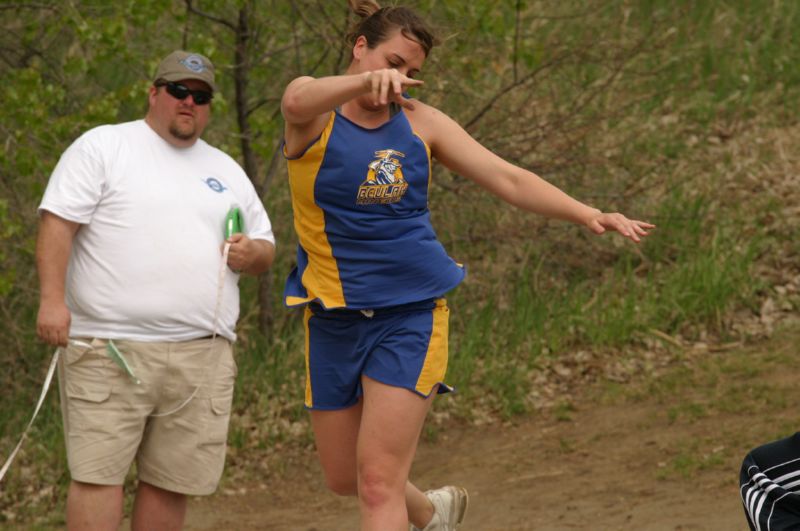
<point>378,23</point>
<point>363,8</point>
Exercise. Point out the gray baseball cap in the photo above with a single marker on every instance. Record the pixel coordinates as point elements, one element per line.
<point>180,65</point>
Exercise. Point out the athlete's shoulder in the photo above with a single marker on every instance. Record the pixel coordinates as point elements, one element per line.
<point>428,121</point>
<point>422,109</point>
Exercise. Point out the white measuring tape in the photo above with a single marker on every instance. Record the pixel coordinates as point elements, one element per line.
<point>54,363</point>
<point>45,387</point>
<point>220,282</point>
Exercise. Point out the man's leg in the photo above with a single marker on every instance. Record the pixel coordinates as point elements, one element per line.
<point>101,432</point>
<point>93,507</point>
<point>156,508</point>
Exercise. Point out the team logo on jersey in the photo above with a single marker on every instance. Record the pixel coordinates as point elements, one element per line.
<point>215,185</point>
<point>384,182</point>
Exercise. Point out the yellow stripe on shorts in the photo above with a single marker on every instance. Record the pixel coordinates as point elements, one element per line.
<point>435,366</point>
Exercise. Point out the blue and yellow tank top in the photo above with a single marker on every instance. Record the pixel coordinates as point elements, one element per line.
<point>360,200</point>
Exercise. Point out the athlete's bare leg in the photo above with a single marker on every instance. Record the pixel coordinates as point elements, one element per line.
<point>354,465</point>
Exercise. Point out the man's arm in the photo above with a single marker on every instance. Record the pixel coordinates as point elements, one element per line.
<point>53,247</point>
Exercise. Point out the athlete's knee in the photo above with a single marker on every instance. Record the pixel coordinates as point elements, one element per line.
<point>376,488</point>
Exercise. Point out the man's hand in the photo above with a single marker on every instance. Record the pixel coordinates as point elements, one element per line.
<point>52,323</point>
<point>249,256</point>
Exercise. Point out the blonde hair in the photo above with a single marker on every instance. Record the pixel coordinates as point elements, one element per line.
<point>378,23</point>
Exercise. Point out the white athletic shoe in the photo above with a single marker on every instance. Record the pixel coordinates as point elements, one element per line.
<point>449,507</point>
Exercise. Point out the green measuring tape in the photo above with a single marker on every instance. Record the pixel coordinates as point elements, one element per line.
<point>233,222</point>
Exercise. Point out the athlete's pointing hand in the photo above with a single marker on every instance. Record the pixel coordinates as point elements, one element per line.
<point>387,85</point>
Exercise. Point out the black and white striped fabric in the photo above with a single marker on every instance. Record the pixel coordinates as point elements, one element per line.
<point>770,485</point>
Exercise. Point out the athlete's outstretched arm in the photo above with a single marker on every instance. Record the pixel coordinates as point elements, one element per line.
<point>457,150</point>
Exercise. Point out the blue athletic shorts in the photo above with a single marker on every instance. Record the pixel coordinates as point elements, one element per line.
<point>403,346</point>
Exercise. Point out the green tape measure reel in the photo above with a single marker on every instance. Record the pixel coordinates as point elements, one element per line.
<point>233,222</point>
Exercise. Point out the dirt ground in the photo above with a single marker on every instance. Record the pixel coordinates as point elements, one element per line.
<point>660,454</point>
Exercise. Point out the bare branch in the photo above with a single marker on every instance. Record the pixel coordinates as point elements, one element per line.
<point>260,103</point>
<point>516,39</point>
<point>320,61</point>
<point>571,16</point>
<point>343,48</point>
<point>297,56</point>
<point>28,5</point>
<point>509,88</point>
<point>282,49</point>
<point>313,28</point>
<point>209,16</point>
<point>185,40</point>
<point>272,167</point>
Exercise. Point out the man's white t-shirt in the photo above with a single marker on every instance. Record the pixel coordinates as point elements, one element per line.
<point>145,262</point>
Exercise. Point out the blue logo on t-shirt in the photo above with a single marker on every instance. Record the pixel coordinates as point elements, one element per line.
<point>215,185</point>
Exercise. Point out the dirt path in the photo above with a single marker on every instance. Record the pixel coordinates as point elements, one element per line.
<point>662,454</point>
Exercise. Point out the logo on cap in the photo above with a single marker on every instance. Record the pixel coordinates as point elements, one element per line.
<point>194,63</point>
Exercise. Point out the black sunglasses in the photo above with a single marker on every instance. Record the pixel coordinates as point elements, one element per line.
<point>181,92</point>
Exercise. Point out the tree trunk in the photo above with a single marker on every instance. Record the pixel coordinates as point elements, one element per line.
<point>241,71</point>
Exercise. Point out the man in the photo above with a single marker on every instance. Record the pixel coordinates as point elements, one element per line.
<point>129,252</point>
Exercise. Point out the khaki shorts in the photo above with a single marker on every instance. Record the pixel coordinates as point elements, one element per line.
<point>108,422</point>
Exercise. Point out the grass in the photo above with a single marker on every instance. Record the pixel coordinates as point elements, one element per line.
<point>691,459</point>
<point>742,392</point>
